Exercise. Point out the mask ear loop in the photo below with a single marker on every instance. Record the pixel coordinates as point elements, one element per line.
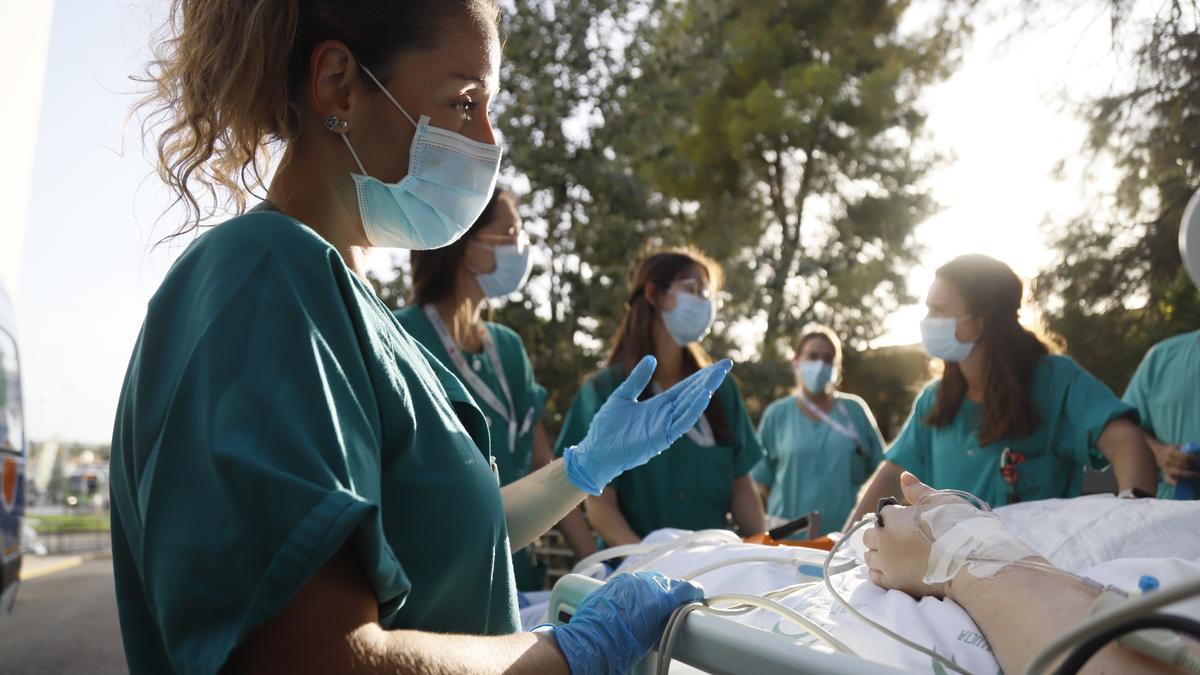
<point>362,169</point>
<point>388,94</point>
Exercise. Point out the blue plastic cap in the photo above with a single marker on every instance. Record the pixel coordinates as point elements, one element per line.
<point>1147,583</point>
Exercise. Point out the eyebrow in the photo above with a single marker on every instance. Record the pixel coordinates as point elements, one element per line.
<point>480,80</point>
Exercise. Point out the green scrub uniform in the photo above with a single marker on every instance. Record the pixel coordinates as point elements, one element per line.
<point>689,486</point>
<point>1165,389</point>
<point>529,398</point>
<point>269,417</point>
<point>812,466</point>
<point>1072,408</point>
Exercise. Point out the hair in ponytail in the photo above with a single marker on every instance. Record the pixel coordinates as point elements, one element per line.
<point>227,81</point>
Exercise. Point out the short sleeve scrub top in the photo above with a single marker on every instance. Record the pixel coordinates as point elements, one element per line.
<point>689,485</point>
<point>817,465</point>
<point>514,457</point>
<point>273,412</point>
<point>1072,407</point>
<point>1165,389</point>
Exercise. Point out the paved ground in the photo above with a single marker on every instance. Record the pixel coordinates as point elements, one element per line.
<point>64,621</point>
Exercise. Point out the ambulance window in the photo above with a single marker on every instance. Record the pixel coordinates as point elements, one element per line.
<point>12,437</point>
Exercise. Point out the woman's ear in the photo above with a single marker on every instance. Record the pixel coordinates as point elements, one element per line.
<point>650,293</point>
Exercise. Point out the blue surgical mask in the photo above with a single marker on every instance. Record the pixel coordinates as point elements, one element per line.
<point>815,374</point>
<point>512,269</point>
<point>450,180</point>
<point>690,319</point>
<point>937,334</point>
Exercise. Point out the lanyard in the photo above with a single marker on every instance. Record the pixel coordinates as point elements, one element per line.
<point>509,411</point>
<point>702,433</point>
<point>837,426</point>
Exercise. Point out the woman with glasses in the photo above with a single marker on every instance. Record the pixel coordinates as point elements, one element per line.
<point>450,287</point>
<point>706,474</point>
<point>821,444</point>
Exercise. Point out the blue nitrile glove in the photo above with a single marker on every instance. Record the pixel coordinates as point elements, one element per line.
<point>618,623</point>
<point>625,433</point>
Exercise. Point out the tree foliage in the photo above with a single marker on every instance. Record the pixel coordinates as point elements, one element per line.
<point>1118,286</point>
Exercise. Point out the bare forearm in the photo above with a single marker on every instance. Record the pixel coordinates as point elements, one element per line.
<point>438,654</point>
<point>884,483</point>
<point>536,502</point>
<point>1020,611</point>
<point>577,533</point>
<point>604,515</point>
<point>1134,465</point>
<point>746,507</point>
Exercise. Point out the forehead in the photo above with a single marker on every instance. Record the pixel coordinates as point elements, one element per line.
<point>818,344</point>
<point>694,271</point>
<point>504,217</point>
<point>944,296</point>
<point>467,50</point>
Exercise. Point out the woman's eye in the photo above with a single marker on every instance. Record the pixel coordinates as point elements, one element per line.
<point>465,108</point>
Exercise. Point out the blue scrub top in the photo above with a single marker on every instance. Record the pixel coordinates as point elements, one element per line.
<point>269,417</point>
<point>1072,407</point>
<point>1165,389</point>
<point>810,465</point>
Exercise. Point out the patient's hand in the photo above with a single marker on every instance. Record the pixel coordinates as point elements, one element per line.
<point>898,553</point>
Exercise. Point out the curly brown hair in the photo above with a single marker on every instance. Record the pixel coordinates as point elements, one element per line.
<point>227,81</point>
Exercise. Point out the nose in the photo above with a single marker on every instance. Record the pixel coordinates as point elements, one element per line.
<point>486,134</point>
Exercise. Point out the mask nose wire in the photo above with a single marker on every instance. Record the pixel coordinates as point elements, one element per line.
<point>388,94</point>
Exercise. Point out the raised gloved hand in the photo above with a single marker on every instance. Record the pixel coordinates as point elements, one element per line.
<point>618,623</point>
<point>626,433</point>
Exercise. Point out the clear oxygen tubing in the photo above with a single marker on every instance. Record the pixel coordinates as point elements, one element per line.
<point>742,604</point>
<point>654,552</point>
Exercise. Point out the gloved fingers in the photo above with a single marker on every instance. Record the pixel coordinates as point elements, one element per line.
<point>688,412</point>
<point>683,592</point>
<point>700,385</point>
<point>636,383</point>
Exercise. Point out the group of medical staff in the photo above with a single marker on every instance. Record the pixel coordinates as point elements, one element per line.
<point>306,480</point>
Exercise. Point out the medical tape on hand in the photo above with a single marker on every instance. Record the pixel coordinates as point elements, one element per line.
<point>964,536</point>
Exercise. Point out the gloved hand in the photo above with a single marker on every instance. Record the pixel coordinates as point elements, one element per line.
<point>618,623</point>
<point>625,433</point>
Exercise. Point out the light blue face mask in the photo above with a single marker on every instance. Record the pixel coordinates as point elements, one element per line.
<point>450,180</point>
<point>815,375</point>
<point>512,269</point>
<point>937,334</point>
<point>690,319</point>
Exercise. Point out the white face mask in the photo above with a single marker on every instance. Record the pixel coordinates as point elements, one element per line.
<point>937,334</point>
<point>690,319</point>
<point>450,180</point>
<point>1189,238</point>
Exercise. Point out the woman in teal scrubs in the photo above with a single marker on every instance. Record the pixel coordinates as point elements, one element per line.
<point>1007,421</point>
<point>297,485</point>
<point>450,287</point>
<point>706,474</point>
<point>821,444</point>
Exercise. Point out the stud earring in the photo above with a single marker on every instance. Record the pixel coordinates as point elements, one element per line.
<point>333,123</point>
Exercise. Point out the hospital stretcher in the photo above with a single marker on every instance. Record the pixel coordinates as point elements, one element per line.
<point>714,644</point>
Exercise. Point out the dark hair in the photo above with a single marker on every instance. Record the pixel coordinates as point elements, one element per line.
<point>229,75</point>
<point>992,293</point>
<point>635,335</point>
<point>435,272</point>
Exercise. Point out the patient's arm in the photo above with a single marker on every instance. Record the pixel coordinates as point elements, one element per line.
<point>1020,610</point>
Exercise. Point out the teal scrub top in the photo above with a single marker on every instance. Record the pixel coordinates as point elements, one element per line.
<point>1073,408</point>
<point>1165,389</point>
<point>529,399</point>
<point>270,416</point>
<point>689,486</point>
<point>810,465</point>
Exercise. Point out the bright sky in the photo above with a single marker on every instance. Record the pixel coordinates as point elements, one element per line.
<point>87,268</point>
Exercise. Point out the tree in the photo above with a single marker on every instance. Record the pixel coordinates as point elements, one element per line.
<point>789,138</point>
<point>1118,286</point>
